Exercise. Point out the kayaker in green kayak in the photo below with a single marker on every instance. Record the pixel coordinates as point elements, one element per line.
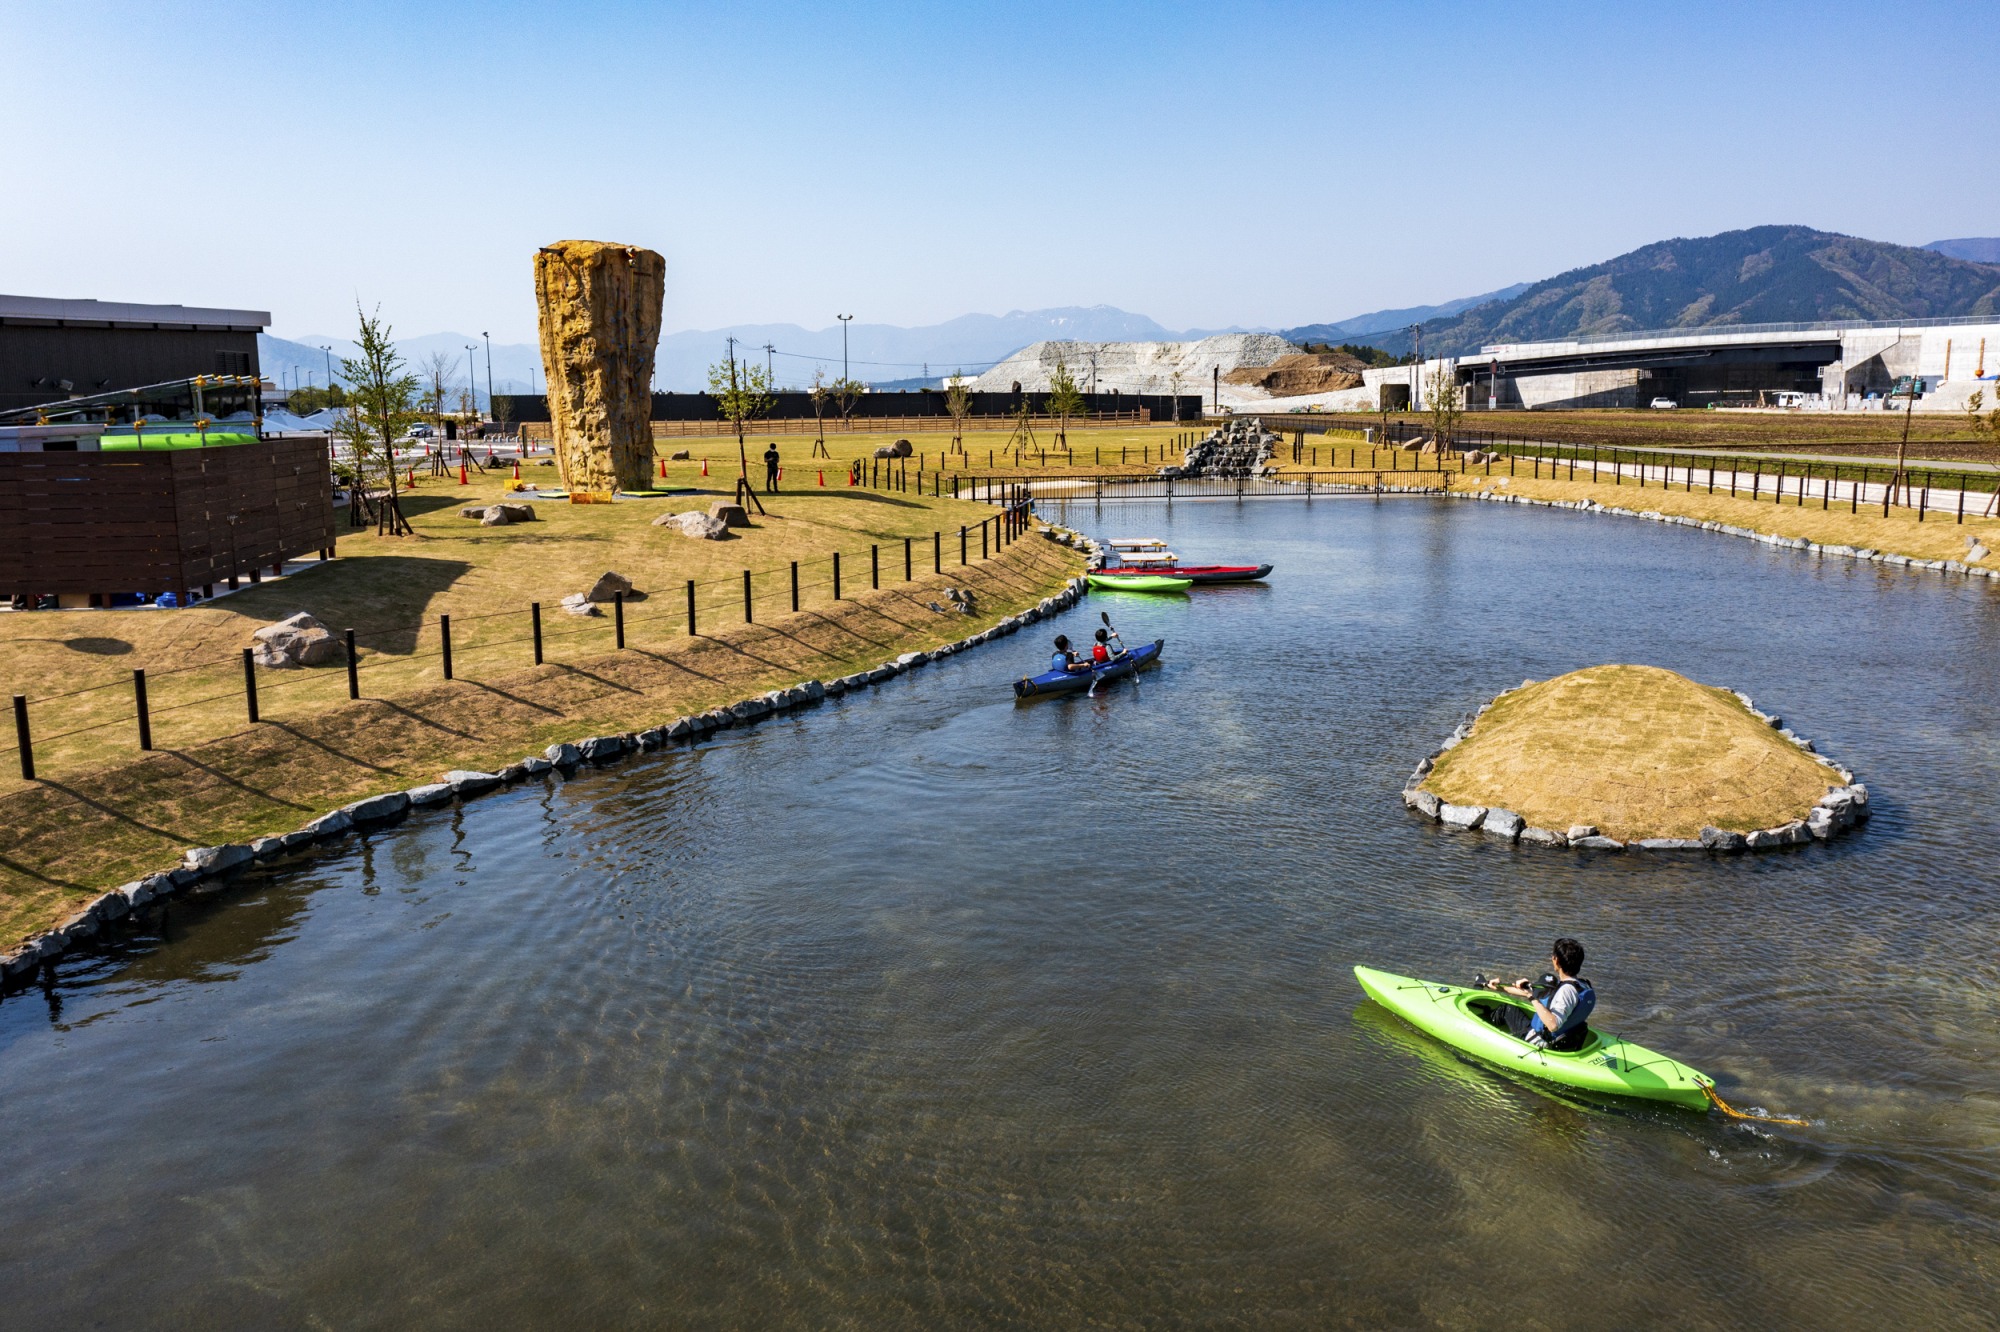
<point>1560,1010</point>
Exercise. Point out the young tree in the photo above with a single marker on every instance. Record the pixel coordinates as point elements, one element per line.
<point>436,372</point>
<point>742,391</point>
<point>958,401</point>
<point>1063,401</point>
<point>846,392</point>
<point>1444,402</point>
<point>822,398</point>
<point>382,407</point>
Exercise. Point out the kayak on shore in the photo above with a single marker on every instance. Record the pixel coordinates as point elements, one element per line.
<point>1144,557</point>
<point>1138,582</point>
<point>1198,574</point>
<point>1071,682</point>
<point>1605,1064</point>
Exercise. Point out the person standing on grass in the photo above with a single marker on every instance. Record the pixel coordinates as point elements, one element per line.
<point>771,468</point>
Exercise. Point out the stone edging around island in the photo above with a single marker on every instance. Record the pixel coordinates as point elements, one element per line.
<point>1845,806</point>
<point>1747,533</point>
<point>210,862</point>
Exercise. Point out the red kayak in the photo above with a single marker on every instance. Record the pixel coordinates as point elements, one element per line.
<point>1198,573</point>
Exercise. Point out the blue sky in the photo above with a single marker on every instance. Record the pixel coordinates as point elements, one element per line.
<point>1207,165</point>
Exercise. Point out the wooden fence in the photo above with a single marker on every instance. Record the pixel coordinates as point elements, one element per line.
<point>541,431</point>
<point>171,520</point>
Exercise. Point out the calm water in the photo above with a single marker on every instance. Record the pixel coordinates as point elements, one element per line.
<point>924,1009</point>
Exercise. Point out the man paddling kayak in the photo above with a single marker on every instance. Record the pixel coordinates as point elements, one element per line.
<point>1561,1011</point>
<point>1065,660</point>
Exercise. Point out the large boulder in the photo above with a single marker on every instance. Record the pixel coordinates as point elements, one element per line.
<point>695,524</point>
<point>730,513</point>
<point>296,640</point>
<point>900,449</point>
<point>609,585</point>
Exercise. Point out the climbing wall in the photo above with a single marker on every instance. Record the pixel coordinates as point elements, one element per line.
<point>599,312</point>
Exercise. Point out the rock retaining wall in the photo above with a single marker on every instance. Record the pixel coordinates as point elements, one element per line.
<point>211,866</point>
<point>1845,806</point>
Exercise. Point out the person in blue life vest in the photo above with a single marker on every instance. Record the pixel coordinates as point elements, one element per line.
<point>1558,1016</point>
<point>1065,660</point>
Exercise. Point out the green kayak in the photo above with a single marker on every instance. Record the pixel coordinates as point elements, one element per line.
<point>1605,1065</point>
<point>1140,583</point>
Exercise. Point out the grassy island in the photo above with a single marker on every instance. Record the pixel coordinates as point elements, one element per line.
<point>1636,750</point>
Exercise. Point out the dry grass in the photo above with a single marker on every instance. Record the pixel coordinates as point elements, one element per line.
<point>1801,431</point>
<point>1939,537</point>
<point>103,812</point>
<point>1636,750</point>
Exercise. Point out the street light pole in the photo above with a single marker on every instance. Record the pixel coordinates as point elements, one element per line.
<point>845,320</point>
<point>472,374</point>
<point>329,365</point>
<point>489,370</point>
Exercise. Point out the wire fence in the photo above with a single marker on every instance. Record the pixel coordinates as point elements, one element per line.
<point>524,636</point>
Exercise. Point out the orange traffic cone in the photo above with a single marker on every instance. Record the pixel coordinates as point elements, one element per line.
<point>822,476</point>
<point>663,469</point>
<point>517,469</point>
<point>461,473</point>
<point>704,467</point>
<point>413,476</point>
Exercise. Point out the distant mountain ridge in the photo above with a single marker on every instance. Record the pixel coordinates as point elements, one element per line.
<point>877,353</point>
<point>1774,274</point>
<point>1393,321</point>
<point>1979,249</point>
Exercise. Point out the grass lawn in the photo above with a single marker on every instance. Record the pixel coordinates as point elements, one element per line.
<point>1637,751</point>
<point>104,811</point>
<point>984,452</point>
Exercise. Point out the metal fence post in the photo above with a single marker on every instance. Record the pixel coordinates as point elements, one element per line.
<point>353,668</point>
<point>875,567</point>
<point>836,575</point>
<point>535,618</point>
<point>961,544</point>
<point>795,585</point>
<point>444,631</point>
<point>937,552</point>
<point>618,619</point>
<point>139,702</point>
<point>21,737</point>
<point>250,683</point>
<point>690,606</point>
<point>746,597</point>
<point>906,548</point>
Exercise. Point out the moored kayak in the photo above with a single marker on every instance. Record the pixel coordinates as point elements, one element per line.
<point>1070,682</point>
<point>1198,574</point>
<point>1605,1065</point>
<point>1138,582</point>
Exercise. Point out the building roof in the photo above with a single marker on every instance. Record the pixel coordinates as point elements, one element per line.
<point>124,314</point>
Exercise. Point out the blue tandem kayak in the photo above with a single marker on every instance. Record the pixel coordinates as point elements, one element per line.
<point>1070,682</point>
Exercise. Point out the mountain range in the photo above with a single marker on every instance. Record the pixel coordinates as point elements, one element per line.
<point>1773,274</point>
<point>1768,274</point>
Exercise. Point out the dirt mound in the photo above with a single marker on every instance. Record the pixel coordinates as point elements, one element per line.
<point>1636,750</point>
<point>1304,372</point>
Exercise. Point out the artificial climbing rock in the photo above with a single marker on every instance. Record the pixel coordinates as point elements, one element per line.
<point>599,314</point>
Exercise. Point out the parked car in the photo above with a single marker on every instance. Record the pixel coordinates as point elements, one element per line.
<point>1664,404</point>
<point>419,431</point>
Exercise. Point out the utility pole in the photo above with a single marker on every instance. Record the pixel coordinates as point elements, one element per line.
<point>845,320</point>
<point>329,365</point>
<point>770,370</point>
<point>1416,367</point>
<point>489,370</point>
<point>472,374</point>
<point>1215,390</point>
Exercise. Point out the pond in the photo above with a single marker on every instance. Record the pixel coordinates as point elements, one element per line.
<point>925,1008</point>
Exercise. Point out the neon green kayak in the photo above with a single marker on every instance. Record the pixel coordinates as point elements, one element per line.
<point>1140,583</point>
<point>1605,1065</point>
